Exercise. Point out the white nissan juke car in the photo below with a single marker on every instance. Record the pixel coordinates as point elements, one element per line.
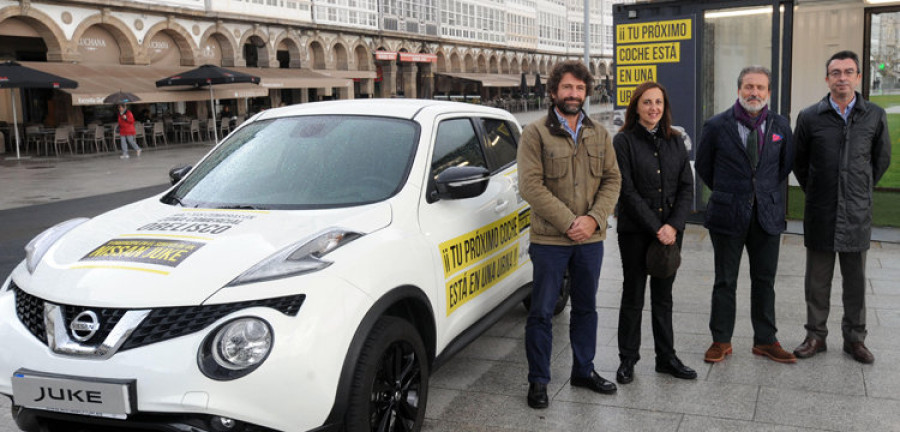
<point>307,274</point>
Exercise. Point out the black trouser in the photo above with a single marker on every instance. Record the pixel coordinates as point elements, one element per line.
<point>762,249</point>
<point>633,249</point>
<point>819,273</point>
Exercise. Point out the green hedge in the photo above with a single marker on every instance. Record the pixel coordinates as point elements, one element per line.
<point>885,213</point>
<point>891,178</point>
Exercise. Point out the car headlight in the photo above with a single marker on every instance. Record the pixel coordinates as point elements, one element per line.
<point>235,348</point>
<point>298,258</point>
<point>5,286</point>
<point>38,246</point>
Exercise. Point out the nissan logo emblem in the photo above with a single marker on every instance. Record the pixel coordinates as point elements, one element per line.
<point>84,326</point>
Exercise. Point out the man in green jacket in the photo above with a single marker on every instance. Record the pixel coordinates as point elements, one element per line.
<point>569,175</point>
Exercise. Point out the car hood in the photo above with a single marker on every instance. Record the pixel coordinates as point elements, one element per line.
<point>149,254</point>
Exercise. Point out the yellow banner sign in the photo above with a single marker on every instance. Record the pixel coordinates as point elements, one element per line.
<point>655,31</point>
<point>634,75</point>
<point>478,279</point>
<point>465,250</point>
<point>669,52</point>
<point>623,95</point>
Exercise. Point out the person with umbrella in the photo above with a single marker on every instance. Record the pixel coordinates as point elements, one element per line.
<point>126,130</point>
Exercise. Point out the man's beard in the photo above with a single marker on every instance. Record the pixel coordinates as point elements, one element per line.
<point>566,107</point>
<point>745,103</point>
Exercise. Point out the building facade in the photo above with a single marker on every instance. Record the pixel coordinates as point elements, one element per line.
<point>335,48</point>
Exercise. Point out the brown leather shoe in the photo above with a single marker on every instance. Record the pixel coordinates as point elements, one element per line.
<point>774,352</point>
<point>717,352</point>
<point>810,347</point>
<point>859,352</point>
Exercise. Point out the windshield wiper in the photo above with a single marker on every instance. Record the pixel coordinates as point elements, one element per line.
<point>240,207</point>
<point>173,199</point>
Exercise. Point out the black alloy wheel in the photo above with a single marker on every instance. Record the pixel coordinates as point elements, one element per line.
<point>391,382</point>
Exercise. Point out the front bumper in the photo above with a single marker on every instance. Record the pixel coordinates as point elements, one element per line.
<point>31,420</point>
<point>294,389</point>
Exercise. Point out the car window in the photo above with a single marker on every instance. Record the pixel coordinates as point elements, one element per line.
<point>502,140</point>
<point>456,145</point>
<point>304,162</point>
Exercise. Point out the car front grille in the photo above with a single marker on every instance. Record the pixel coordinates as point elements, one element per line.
<point>30,311</point>
<point>161,324</point>
<point>168,323</point>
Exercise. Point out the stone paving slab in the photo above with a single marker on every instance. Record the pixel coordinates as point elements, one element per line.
<point>745,392</point>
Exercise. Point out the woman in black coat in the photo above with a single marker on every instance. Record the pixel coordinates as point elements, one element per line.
<point>657,188</point>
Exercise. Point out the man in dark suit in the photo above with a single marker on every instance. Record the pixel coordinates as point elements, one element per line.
<point>744,156</point>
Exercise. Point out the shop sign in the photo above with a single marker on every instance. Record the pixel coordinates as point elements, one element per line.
<point>385,55</point>
<point>406,57</point>
<point>88,100</point>
<point>98,46</point>
<point>418,57</point>
<point>91,44</point>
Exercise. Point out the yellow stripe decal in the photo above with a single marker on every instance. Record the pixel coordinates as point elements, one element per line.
<point>166,236</point>
<point>161,272</point>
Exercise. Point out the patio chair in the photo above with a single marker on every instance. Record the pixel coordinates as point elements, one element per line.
<point>100,138</point>
<point>116,142</point>
<point>225,126</point>
<point>159,131</point>
<point>60,136</point>
<point>194,129</point>
<point>33,136</point>
<point>139,134</point>
<point>210,130</point>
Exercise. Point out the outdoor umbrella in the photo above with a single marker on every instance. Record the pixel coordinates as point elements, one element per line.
<point>121,97</point>
<point>538,87</point>
<point>523,86</point>
<point>14,75</point>
<point>208,75</point>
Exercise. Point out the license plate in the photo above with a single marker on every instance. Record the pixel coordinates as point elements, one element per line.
<point>74,395</point>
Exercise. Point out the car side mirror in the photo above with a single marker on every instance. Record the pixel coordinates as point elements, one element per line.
<point>461,182</point>
<point>178,173</point>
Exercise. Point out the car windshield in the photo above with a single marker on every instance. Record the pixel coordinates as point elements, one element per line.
<point>303,162</point>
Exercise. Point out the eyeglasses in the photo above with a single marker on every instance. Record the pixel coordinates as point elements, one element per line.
<point>837,73</point>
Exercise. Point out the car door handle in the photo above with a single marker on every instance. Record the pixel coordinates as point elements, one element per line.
<point>501,206</point>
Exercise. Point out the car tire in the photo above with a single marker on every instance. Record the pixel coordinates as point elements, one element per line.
<point>390,384</point>
<point>560,302</point>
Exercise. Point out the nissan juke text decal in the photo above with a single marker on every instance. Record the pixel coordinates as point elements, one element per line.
<point>150,251</point>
